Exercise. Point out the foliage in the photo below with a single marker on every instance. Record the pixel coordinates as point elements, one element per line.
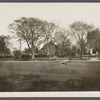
<point>94,39</point>
<point>25,57</point>
<point>17,54</point>
<point>4,41</point>
<point>65,48</point>
<point>26,51</point>
<point>74,50</point>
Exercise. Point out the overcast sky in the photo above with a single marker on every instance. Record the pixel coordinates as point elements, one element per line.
<point>63,14</point>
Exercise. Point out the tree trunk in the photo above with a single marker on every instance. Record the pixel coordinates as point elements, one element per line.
<point>49,57</point>
<point>81,54</point>
<point>33,57</point>
<point>49,53</point>
<point>33,54</point>
<point>20,42</point>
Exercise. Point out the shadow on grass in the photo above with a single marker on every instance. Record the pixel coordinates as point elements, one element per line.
<point>32,83</point>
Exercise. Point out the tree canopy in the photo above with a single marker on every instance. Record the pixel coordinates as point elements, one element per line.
<point>94,39</point>
<point>79,31</point>
<point>33,31</point>
<point>30,30</point>
<point>63,42</point>
<point>38,33</point>
<point>4,41</point>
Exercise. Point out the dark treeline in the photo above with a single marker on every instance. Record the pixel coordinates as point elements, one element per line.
<point>47,39</point>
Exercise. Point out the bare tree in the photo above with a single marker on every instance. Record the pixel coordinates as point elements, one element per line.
<point>79,30</point>
<point>49,34</point>
<point>30,30</point>
<point>62,41</point>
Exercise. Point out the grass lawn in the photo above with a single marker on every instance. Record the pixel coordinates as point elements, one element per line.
<point>49,76</point>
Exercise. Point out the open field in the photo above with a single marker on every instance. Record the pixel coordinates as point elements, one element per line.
<point>49,76</point>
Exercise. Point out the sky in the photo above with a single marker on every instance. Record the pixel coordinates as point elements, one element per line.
<point>62,14</point>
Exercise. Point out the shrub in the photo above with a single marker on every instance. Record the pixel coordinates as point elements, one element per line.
<point>26,57</point>
<point>41,55</point>
<point>16,54</point>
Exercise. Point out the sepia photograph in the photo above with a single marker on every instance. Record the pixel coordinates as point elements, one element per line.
<point>49,47</point>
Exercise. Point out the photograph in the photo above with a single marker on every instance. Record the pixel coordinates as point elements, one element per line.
<point>49,47</point>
